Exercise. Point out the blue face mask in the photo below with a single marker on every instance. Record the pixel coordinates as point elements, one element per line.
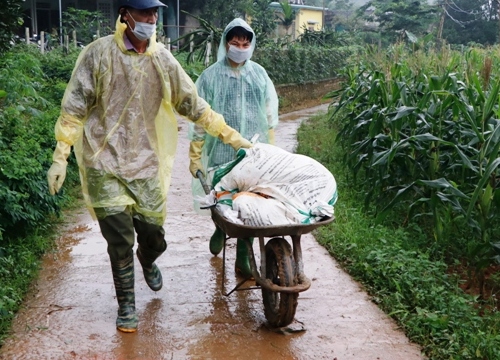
<point>142,31</point>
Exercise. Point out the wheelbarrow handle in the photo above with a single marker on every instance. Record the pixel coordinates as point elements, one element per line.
<point>201,177</point>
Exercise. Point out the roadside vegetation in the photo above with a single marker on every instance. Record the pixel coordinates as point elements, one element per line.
<point>413,139</point>
<point>32,89</point>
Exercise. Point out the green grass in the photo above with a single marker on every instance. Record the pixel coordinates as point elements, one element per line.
<point>193,69</point>
<point>401,276</point>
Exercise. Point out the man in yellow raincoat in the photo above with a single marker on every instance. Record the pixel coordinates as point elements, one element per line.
<point>118,114</point>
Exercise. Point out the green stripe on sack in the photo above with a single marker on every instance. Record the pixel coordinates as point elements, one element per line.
<point>333,200</point>
<point>226,168</point>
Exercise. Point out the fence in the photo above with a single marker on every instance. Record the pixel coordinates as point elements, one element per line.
<point>43,44</point>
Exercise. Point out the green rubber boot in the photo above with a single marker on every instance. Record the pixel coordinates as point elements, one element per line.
<point>242,264</point>
<point>217,241</point>
<point>152,273</point>
<point>123,277</point>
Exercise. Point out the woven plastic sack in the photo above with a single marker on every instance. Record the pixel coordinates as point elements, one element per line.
<point>293,182</point>
<point>258,211</point>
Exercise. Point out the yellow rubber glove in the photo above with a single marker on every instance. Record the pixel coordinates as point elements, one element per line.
<point>195,157</point>
<point>231,137</point>
<point>271,136</point>
<point>57,172</point>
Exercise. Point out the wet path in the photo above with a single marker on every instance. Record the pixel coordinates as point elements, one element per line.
<point>71,311</point>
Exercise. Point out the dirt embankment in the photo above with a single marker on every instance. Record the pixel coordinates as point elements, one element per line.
<point>295,97</point>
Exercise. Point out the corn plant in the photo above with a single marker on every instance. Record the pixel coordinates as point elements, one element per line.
<point>427,138</point>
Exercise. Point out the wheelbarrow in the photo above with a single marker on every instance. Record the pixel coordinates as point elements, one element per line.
<point>281,277</point>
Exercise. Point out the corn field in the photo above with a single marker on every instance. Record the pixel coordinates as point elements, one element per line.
<point>421,133</point>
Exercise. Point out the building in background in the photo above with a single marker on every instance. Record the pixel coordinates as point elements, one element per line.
<point>46,15</point>
<point>307,17</point>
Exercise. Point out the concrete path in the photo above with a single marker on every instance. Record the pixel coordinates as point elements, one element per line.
<point>70,312</point>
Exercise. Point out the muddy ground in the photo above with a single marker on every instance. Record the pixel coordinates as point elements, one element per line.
<point>71,309</point>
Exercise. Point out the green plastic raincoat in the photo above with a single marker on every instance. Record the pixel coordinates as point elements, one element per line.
<point>245,96</point>
<point>118,113</point>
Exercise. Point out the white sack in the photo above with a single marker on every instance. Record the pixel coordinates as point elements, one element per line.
<point>297,181</point>
<point>257,211</point>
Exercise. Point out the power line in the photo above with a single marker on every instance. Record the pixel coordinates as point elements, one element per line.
<point>453,6</point>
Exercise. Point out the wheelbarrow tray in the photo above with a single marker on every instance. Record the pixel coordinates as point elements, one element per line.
<point>234,230</point>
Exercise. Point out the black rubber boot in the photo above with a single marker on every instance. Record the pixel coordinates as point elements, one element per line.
<point>217,241</point>
<point>123,277</point>
<point>242,264</point>
<point>152,273</point>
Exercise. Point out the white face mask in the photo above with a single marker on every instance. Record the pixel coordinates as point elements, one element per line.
<point>239,55</point>
<point>142,31</point>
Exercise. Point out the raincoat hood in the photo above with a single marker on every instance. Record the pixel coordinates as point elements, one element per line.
<point>222,53</point>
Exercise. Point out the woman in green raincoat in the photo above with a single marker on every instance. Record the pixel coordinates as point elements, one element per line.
<point>118,114</point>
<point>243,93</point>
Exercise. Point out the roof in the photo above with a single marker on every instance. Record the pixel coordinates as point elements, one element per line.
<point>297,7</point>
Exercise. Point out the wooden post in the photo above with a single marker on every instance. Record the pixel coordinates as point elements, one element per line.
<point>27,35</point>
<point>207,54</point>
<point>66,43</point>
<point>42,42</point>
<point>191,44</point>
<point>323,17</point>
<point>98,33</point>
<point>74,38</point>
<point>168,44</point>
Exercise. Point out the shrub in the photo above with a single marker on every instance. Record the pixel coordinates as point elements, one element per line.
<point>29,107</point>
<point>297,64</point>
<point>10,19</point>
<point>27,121</point>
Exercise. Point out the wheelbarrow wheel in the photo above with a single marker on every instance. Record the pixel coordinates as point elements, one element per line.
<point>279,308</point>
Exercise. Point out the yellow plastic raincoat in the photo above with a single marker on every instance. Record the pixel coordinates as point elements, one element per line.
<point>118,113</point>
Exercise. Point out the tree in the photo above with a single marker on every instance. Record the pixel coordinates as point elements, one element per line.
<point>220,12</point>
<point>344,15</point>
<point>287,17</point>
<point>346,5</point>
<point>85,23</point>
<point>263,20</point>
<point>397,17</point>
<point>467,21</point>
<point>10,20</point>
